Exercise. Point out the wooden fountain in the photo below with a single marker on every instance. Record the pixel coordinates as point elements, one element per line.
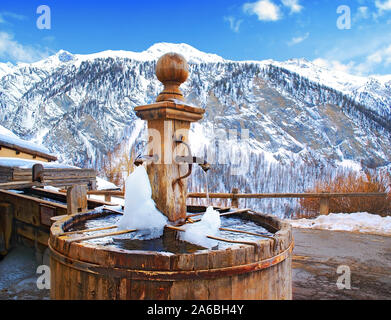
<point>169,122</point>
<point>243,270</point>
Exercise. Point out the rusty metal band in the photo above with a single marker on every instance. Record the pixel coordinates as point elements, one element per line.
<point>114,272</point>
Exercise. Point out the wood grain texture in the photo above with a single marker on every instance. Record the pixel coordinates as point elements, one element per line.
<point>77,199</point>
<point>109,273</point>
<point>6,218</point>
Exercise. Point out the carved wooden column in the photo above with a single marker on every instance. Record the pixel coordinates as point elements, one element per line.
<point>168,127</point>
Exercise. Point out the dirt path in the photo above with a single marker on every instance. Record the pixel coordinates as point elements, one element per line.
<point>318,254</point>
<point>18,277</point>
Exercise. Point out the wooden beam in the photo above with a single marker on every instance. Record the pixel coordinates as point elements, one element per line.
<point>37,173</point>
<point>217,238</point>
<point>87,230</point>
<point>101,235</point>
<point>6,218</point>
<point>112,193</point>
<point>26,150</point>
<point>5,193</point>
<point>235,200</point>
<point>19,185</point>
<point>225,214</point>
<point>324,206</point>
<point>77,199</point>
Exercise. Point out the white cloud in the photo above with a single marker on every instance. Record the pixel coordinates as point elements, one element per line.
<point>334,65</point>
<point>379,58</point>
<point>383,5</point>
<point>233,23</point>
<point>294,5</point>
<point>12,50</point>
<point>362,14</point>
<point>266,10</point>
<point>7,14</point>
<point>297,40</point>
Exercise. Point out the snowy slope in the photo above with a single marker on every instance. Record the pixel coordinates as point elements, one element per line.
<point>301,117</point>
<point>374,92</point>
<point>88,101</point>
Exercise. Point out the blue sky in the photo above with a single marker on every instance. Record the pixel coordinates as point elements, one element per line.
<point>233,29</point>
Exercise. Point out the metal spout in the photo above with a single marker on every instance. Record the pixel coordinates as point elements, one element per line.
<point>141,159</point>
<point>205,166</point>
<point>191,160</point>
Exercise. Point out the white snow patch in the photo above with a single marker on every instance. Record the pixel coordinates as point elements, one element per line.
<point>102,184</point>
<point>140,210</point>
<point>350,164</point>
<point>208,226</point>
<point>361,222</point>
<point>28,164</point>
<point>50,188</point>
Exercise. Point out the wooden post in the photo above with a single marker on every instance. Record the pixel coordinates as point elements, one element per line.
<point>324,205</point>
<point>37,173</point>
<point>6,217</point>
<point>235,200</point>
<point>108,197</point>
<point>77,199</point>
<point>168,125</point>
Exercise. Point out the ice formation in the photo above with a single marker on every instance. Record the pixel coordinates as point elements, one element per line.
<point>208,226</point>
<point>140,210</point>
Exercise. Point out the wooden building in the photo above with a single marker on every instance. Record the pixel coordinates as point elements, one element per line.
<point>11,146</point>
<point>26,208</point>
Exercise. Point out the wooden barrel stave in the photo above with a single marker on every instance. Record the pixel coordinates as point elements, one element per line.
<point>87,271</point>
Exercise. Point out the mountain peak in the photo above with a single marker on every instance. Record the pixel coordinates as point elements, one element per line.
<point>64,56</point>
<point>190,53</point>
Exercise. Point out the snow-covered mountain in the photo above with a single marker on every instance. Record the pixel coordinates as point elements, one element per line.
<point>81,106</point>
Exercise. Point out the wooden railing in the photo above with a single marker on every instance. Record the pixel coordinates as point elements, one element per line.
<point>235,196</point>
<point>324,197</point>
<point>107,194</point>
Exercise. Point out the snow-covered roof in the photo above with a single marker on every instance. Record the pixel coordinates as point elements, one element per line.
<point>28,164</point>
<point>9,139</point>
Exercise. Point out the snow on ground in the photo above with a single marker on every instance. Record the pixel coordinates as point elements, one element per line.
<point>360,222</point>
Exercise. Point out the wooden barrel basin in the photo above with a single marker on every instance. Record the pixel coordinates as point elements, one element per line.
<point>258,271</point>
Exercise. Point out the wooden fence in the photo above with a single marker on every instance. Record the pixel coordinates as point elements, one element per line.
<point>235,196</point>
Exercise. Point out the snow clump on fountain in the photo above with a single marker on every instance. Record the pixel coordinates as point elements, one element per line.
<point>140,210</point>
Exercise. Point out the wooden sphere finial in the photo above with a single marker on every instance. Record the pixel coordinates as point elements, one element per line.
<point>171,70</point>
